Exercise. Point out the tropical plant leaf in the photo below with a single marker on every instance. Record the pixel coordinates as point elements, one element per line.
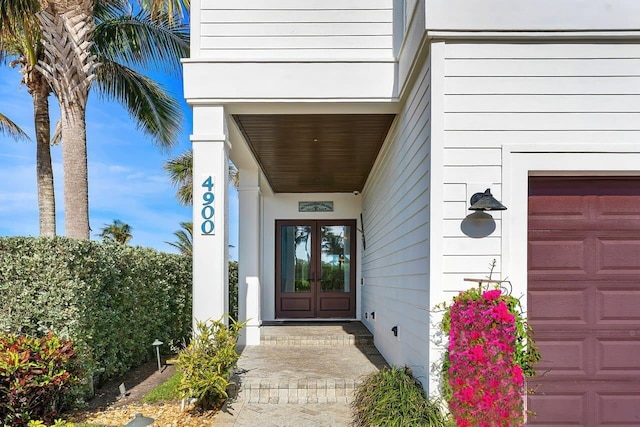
<point>156,112</point>
<point>7,127</point>
<point>141,41</point>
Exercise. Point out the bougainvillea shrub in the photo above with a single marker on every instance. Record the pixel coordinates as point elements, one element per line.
<point>490,353</point>
<point>487,385</point>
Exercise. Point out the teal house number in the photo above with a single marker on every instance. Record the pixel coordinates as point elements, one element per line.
<point>208,212</point>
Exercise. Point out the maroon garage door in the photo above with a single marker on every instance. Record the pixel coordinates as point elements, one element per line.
<point>584,300</point>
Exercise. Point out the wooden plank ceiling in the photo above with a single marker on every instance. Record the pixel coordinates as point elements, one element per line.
<point>315,153</point>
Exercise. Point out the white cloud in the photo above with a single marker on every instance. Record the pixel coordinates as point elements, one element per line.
<point>118,169</point>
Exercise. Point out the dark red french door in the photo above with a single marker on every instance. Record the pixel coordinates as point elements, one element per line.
<point>315,269</point>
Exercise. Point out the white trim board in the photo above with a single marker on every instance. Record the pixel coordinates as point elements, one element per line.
<point>522,161</point>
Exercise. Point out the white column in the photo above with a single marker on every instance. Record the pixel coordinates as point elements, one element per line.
<point>210,213</point>
<point>249,256</point>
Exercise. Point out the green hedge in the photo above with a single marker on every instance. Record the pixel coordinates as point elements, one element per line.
<point>113,300</point>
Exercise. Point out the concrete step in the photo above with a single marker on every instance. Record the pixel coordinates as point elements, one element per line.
<point>316,334</point>
<point>296,374</point>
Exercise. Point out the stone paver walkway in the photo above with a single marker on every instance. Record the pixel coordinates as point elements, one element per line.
<point>302,375</point>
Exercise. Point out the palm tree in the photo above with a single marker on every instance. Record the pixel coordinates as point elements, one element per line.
<point>180,171</point>
<point>185,239</point>
<point>118,232</point>
<point>149,38</point>
<point>20,38</point>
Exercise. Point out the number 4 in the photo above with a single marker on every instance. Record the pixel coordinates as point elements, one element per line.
<point>208,183</point>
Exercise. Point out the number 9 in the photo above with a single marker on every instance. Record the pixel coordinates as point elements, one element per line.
<point>208,198</point>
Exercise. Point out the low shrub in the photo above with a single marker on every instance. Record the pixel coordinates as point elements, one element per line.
<point>207,363</point>
<point>38,378</point>
<point>392,397</point>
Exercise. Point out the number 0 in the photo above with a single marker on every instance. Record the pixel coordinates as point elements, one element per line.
<point>207,212</point>
<point>207,227</point>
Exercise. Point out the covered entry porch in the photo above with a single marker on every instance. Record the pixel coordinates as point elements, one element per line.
<point>301,234</point>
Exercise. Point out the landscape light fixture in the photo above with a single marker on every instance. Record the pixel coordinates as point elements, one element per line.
<point>140,421</point>
<point>157,344</point>
<point>485,202</point>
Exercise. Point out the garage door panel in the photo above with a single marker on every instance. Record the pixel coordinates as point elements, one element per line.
<point>566,255</point>
<point>568,307</point>
<point>618,410</point>
<point>615,357</point>
<point>617,255</point>
<point>618,208</point>
<point>550,408</point>
<point>566,357</point>
<point>549,208</point>
<point>619,305</point>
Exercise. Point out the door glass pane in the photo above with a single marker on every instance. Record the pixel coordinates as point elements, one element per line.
<point>296,258</point>
<point>335,258</point>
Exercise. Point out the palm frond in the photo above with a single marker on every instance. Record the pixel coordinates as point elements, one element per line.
<point>156,112</point>
<point>141,41</point>
<point>180,171</point>
<point>117,231</point>
<point>185,239</point>
<point>7,127</point>
<point>13,11</point>
<point>19,32</point>
<point>176,9</point>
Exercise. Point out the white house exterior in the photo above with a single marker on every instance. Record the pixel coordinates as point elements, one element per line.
<point>395,113</point>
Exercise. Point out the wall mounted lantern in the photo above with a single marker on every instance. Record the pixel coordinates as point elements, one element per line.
<point>485,202</point>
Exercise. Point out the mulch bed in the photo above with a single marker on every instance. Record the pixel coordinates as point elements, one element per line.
<point>107,408</point>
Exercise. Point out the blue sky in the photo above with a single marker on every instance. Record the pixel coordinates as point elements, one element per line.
<point>126,178</point>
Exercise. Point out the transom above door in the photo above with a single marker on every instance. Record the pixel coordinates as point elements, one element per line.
<point>315,269</point>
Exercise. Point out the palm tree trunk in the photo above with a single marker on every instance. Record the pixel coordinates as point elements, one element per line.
<point>74,160</point>
<point>67,29</point>
<point>44,170</point>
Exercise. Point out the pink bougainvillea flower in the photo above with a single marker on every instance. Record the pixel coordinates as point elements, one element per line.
<point>492,295</point>
<point>486,384</point>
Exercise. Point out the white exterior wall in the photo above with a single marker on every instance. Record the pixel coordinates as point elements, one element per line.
<point>395,265</point>
<point>285,206</point>
<point>496,94</point>
<point>295,29</point>
<point>515,109</point>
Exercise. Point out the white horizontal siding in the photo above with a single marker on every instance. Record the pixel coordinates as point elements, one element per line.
<point>299,29</point>
<point>542,67</point>
<point>545,51</point>
<point>512,93</point>
<point>466,264</point>
<point>295,16</point>
<point>528,85</point>
<point>548,103</point>
<point>293,4</point>
<point>543,121</point>
<point>395,263</point>
<point>493,138</point>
